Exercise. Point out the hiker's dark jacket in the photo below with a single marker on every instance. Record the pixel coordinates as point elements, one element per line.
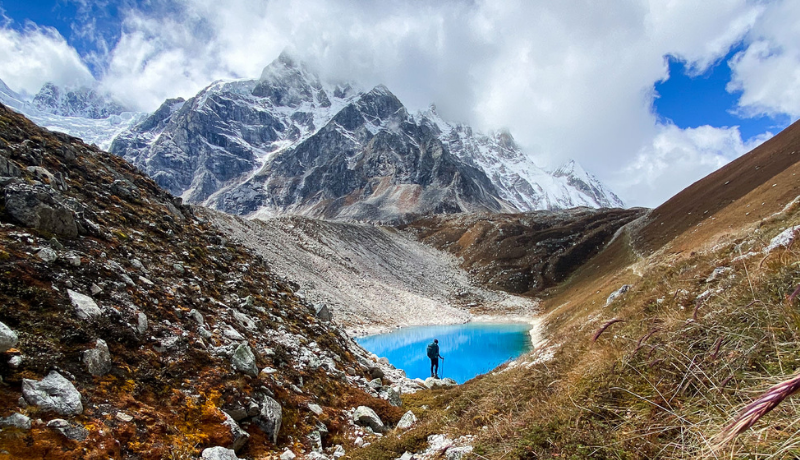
<point>433,350</point>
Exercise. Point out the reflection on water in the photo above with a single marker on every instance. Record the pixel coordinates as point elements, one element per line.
<point>469,349</point>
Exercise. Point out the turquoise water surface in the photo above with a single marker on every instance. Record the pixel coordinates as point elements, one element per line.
<point>469,349</point>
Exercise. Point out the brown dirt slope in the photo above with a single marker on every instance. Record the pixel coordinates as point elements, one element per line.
<point>701,201</point>
<point>75,218</point>
<point>523,253</point>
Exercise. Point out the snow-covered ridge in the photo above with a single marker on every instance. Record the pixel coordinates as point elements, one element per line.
<point>80,112</point>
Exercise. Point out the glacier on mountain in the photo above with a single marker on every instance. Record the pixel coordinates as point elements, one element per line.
<point>80,112</point>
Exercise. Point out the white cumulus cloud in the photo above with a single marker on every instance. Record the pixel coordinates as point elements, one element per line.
<point>35,55</point>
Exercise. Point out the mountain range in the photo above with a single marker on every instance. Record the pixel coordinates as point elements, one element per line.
<point>291,142</point>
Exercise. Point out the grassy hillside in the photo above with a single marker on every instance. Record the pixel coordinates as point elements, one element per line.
<point>709,324</point>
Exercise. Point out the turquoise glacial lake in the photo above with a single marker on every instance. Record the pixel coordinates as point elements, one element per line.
<point>469,349</point>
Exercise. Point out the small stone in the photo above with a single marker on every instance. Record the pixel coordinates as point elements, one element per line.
<point>16,420</point>
<point>359,442</point>
<point>365,416</point>
<point>85,307</point>
<point>95,289</point>
<point>315,439</point>
<point>458,453</point>
<point>98,359</point>
<point>74,260</point>
<point>123,417</point>
<point>375,384</point>
<point>145,281</point>
<point>315,408</point>
<point>339,451</point>
<point>47,255</point>
<point>8,338</point>
<point>53,393</point>
<point>141,323</point>
<point>240,437</point>
<point>55,244</point>
<point>74,431</point>
<point>269,370</point>
<point>619,292</point>
<point>288,455</point>
<point>127,279</point>
<point>179,269</point>
<point>322,312</point>
<point>196,316</point>
<point>137,264</point>
<point>15,361</point>
<point>232,333</point>
<point>204,333</point>
<point>218,453</point>
<point>244,360</point>
<point>407,421</point>
<point>393,397</point>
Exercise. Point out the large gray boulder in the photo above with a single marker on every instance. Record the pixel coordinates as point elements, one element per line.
<point>98,359</point>
<point>218,453</point>
<point>432,383</point>
<point>8,338</point>
<point>322,312</point>
<point>365,416</point>
<point>53,393</point>
<point>269,418</point>
<point>85,307</point>
<point>36,206</point>
<point>244,360</point>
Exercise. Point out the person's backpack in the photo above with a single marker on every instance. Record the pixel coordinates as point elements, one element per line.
<point>433,350</point>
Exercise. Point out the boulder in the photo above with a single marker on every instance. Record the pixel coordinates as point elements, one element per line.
<point>196,316</point>
<point>16,420</point>
<point>36,206</point>
<point>339,451</point>
<point>269,418</point>
<point>47,255</point>
<point>70,430</point>
<point>8,338</point>
<point>619,292</point>
<point>375,384</point>
<point>85,307</point>
<point>458,453</point>
<point>98,359</point>
<point>218,453</point>
<point>432,383</point>
<point>407,421</point>
<point>322,312</point>
<point>244,360</point>
<point>375,372</point>
<point>240,437</point>
<point>365,416</point>
<point>288,455</point>
<point>393,397</point>
<point>315,408</point>
<point>53,393</point>
<point>141,323</point>
<point>316,456</point>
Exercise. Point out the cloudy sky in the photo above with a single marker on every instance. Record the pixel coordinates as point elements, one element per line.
<point>647,95</point>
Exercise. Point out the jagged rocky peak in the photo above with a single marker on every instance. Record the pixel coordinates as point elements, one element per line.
<point>287,82</point>
<point>587,184</point>
<point>76,102</point>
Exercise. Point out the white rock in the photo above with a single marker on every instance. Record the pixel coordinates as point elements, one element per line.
<point>98,359</point>
<point>15,361</point>
<point>359,442</point>
<point>8,338</point>
<point>218,453</point>
<point>622,290</point>
<point>407,421</point>
<point>458,453</point>
<point>232,333</point>
<point>316,456</point>
<point>123,417</point>
<point>85,307</point>
<point>365,416</point>
<point>95,289</point>
<point>141,323</point>
<point>53,393</point>
<point>17,421</point>
<point>288,455</point>
<point>338,452</point>
<point>47,255</point>
<point>269,418</point>
<point>244,360</point>
<point>782,239</point>
<point>145,281</point>
<point>196,316</point>
<point>315,408</point>
<point>74,260</point>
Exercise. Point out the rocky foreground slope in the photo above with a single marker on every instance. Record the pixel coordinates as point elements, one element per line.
<point>131,328</point>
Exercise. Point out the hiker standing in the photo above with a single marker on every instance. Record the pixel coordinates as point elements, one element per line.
<point>433,354</point>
